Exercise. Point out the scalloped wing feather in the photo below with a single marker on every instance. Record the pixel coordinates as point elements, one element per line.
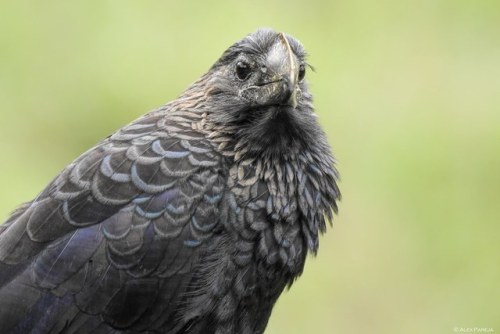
<point>129,215</point>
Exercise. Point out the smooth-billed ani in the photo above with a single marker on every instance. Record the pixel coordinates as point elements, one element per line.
<point>191,219</point>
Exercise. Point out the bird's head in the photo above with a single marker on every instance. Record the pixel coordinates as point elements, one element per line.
<point>258,89</point>
<point>264,69</point>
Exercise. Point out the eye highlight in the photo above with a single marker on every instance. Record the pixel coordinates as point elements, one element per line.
<point>243,70</point>
<point>302,72</point>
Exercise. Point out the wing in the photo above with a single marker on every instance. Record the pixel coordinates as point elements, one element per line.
<point>116,235</point>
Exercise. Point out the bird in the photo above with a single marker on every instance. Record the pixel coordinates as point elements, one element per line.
<point>194,218</point>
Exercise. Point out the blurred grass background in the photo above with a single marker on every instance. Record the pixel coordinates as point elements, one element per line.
<point>408,92</point>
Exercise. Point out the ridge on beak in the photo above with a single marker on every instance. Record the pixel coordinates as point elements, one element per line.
<point>284,68</point>
<point>290,75</point>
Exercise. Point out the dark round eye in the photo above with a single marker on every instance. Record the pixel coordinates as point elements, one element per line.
<point>243,70</point>
<point>302,72</point>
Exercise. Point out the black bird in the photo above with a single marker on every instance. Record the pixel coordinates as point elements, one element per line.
<point>191,219</point>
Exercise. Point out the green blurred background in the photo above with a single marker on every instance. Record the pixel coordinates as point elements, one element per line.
<point>408,92</point>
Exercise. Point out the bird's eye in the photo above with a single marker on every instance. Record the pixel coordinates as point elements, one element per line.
<point>243,70</point>
<point>302,72</point>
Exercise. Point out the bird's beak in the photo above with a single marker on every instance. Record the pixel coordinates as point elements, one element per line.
<point>290,72</point>
<point>280,76</point>
<point>284,71</point>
